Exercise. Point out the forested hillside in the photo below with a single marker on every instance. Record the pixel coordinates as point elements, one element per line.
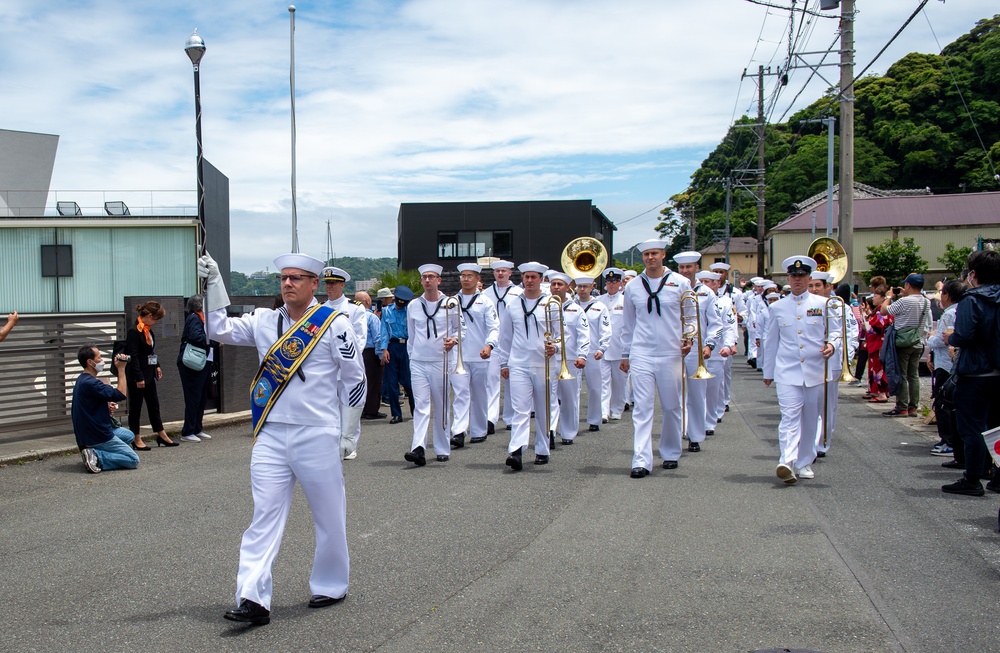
<point>915,127</point>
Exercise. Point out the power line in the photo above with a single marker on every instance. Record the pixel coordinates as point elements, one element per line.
<point>635,217</point>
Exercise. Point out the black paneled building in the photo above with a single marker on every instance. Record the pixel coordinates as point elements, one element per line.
<point>449,233</point>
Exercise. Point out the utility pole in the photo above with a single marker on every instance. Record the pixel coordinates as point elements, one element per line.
<point>846,217</point>
<point>829,122</point>
<point>331,256</point>
<point>692,239</point>
<point>728,183</point>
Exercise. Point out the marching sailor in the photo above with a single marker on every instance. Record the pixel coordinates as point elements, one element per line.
<point>793,358</point>
<point>498,292</point>
<point>735,304</point>
<point>522,352</point>
<point>308,392</point>
<point>652,354</point>
<point>479,339</point>
<point>599,319</point>
<point>717,364</point>
<point>688,265</point>
<point>429,347</point>
<point>334,280</point>
<point>820,285</point>
<point>615,380</point>
<point>576,332</point>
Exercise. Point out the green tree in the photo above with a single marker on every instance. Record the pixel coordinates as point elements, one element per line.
<point>954,258</point>
<point>894,260</point>
<point>409,278</point>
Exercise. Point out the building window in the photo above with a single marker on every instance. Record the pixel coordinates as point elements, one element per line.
<point>57,260</point>
<point>474,244</point>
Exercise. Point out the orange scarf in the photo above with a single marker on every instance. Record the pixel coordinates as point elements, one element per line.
<point>143,329</point>
<point>201,315</point>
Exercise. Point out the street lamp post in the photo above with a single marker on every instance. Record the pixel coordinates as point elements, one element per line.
<point>195,49</point>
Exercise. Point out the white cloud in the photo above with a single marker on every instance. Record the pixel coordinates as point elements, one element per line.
<point>406,101</point>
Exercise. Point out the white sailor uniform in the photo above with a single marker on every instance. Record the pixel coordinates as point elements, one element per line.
<point>576,330</point>
<point>651,341</point>
<point>522,352</point>
<point>697,389</point>
<point>615,381</point>
<point>715,401</point>
<point>793,358</point>
<point>500,297</point>
<point>427,329</point>
<point>299,441</point>
<point>598,376</point>
<point>481,328</point>
<point>833,387</point>
<point>359,321</point>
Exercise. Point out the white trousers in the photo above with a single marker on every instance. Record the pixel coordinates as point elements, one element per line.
<point>832,394</point>
<point>527,393</point>
<point>715,391</point>
<point>728,384</point>
<point>751,342</point>
<point>493,390</point>
<point>697,393</point>
<point>596,376</point>
<point>470,406</point>
<point>654,378</point>
<point>569,405</point>
<point>427,381</point>
<point>614,389</point>
<point>800,408</point>
<point>282,454</point>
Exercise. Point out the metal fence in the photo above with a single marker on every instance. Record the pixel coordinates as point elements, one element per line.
<point>38,368</point>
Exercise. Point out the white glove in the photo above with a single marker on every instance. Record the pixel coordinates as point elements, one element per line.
<point>216,296</point>
<point>350,421</point>
<point>347,446</point>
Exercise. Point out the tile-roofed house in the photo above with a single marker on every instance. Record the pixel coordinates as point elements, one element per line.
<point>742,255</point>
<point>932,221</point>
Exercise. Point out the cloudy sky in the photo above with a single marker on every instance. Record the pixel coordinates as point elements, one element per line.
<point>410,101</point>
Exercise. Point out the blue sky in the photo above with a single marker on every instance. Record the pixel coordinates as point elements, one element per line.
<point>408,101</point>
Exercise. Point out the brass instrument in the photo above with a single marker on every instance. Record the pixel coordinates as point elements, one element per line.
<point>691,330</point>
<point>584,257</point>
<point>553,314</point>
<point>452,307</point>
<point>835,309</point>
<point>830,256</point>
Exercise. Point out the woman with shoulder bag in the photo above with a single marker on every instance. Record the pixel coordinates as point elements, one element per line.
<point>194,363</point>
<point>142,373</point>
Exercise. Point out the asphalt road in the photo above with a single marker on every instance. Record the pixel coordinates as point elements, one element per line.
<point>716,556</point>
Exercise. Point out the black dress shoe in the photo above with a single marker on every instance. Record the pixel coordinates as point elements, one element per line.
<point>441,458</point>
<point>490,428</point>
<point>718,420</point>
<point>514,460</point>
<point>639,472</point>
<point>320,601</point>
<point>565,441</point>
<point>669,464</point>
<point>727,408</point>
<point>508,427</point>
<point>377,416</point>
<point>416,457</point>
<point>710,432</point>
<point>396,419</point>
<point>552,440</point>
<point>249,613</point>
<point>821,454</point>
<point>458,440</point>
<point>594,427</point>
<point>694,447</point>
<point>477,439</point>
<point>966,487</point>
<point>627,408</point>
<point>541,460</point>
<point>953,464</point>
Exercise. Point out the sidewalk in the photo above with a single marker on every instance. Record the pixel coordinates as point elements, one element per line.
<point>59,445</point>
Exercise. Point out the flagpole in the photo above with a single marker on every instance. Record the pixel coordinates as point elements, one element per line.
<point>291,76</point>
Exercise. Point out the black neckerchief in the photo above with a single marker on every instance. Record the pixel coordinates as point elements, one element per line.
<point>430,316</point>
<point>653,296</point>
<point>500,299</point>
<point>528,313</point>
<point>587,307</point>
<point>465,309</point>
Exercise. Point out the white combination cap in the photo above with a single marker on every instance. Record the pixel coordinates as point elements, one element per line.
<point>335,274</point>
<point>799,265</point>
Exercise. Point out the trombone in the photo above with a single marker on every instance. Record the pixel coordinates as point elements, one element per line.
<point>835,309</point>
<point>691,330</point>
<point>553,314</point>
<point>452,307</point>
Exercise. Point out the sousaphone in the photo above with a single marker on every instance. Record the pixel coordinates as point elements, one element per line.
<point>584,257</point>
<point>830,256</point>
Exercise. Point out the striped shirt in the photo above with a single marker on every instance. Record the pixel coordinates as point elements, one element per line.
<point>908,311</point>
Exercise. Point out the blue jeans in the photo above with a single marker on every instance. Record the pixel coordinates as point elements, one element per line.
<point>117,453</point>
<point>398,372</point>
